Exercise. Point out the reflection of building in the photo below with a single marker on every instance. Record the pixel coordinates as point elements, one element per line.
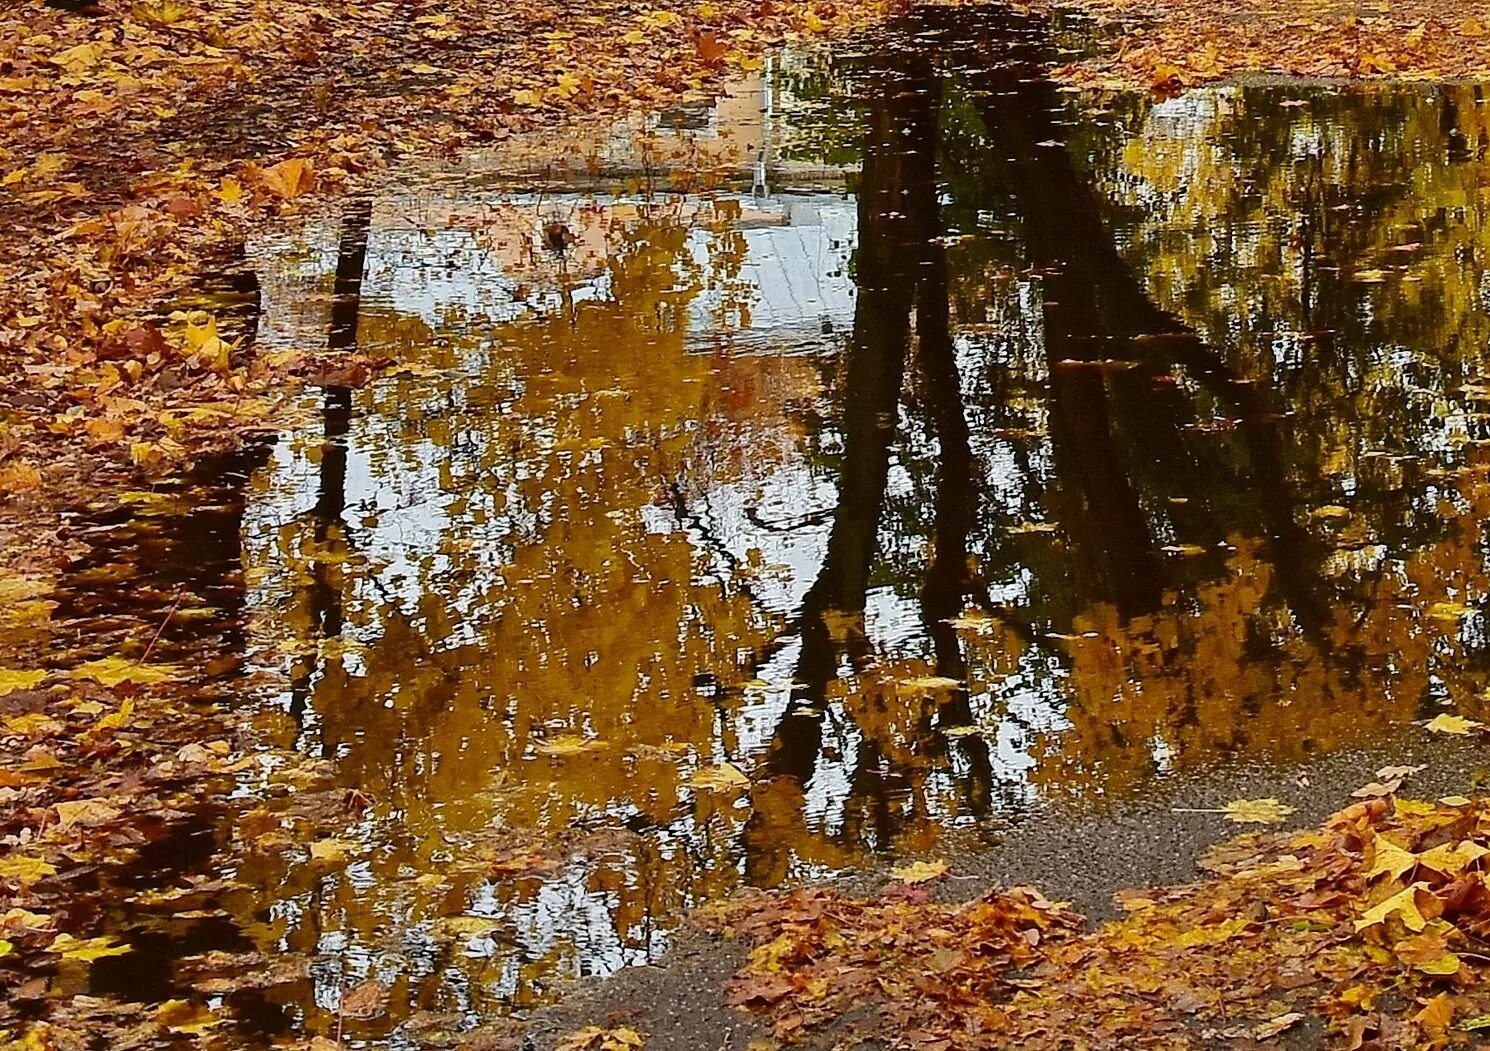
<point>772,266</point>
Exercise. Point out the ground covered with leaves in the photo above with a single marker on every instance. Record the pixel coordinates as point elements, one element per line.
<point>1171,46</point>
<point>1369,931</point>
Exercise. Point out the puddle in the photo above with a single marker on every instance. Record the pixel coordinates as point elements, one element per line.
<point>900,444</point>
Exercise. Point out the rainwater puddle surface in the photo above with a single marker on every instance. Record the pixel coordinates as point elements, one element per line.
<point>899,444</point>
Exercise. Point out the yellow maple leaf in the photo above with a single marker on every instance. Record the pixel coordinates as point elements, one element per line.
<point>1257,811</point>
<point>331,849</point>
<point>86,950</point>
<point>920,871</point>
<point>1452,724</point>
<point>25,869</point>
<point>111,671</point>
<point>1404,904</point>
<point>1391,860</point>
<point>12,680</point>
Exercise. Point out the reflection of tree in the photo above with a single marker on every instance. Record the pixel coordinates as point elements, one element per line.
<point>325,591</point>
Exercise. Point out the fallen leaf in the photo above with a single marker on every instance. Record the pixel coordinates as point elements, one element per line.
<point>111,671</point>
<point>919,871</point>
<point>25,869</point>
<point>1403,904</point>
<point>12,680</point>
<point>331,849</point>
<point>89,813</point>
<point>1273,1026</point>
<point>725,777</point>
<point>1452,724</point>
<point>1257,811</point>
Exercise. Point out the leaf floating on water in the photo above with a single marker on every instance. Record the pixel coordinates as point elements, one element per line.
<point>182,1016</point>
<point>25,869</point>
<point>12,680</point>
<point>726,777</point>
<point>86,950</point>
<point>1457,725</point>
<point>366,1001</point>
<point>969,730</point>
<point>568,744</point>
<point>920,871</point>
<point>981,623</point>
<point>1449,610</point>
<point>86,812</point>
<point>111,671</point>
<point>930,682</point>
<point>331,849</point>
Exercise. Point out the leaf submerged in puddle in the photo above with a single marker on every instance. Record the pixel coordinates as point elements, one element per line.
<point>920,871</point>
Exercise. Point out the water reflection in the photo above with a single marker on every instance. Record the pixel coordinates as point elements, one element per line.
<point>961,448</point>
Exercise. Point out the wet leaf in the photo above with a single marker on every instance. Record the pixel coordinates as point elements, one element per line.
<point>86,812</point>
<point>594,1038</point>
<point>568,744</point>
<point>12,680</point>
<point>25,869</point>
<point>725,777</point>
<point>111,671</point>
<point>919,871</point>
<point>86,950</point>
<point>1452,724</point>
<point>368,1000</point>
<point>332,850</point>
<point>930,682</point>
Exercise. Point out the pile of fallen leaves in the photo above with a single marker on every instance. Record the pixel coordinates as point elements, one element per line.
<point>1369,931</point>
<point>1171,46</point>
